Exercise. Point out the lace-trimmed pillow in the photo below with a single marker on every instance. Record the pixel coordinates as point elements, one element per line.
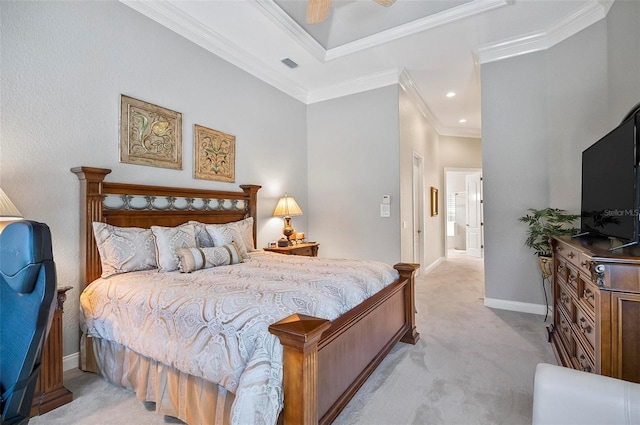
<point>169,240</point>
<point>192,259</point>
<point>124,249</point>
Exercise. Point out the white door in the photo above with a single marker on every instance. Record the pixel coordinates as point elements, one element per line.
<point>460,226</point>
<point>473,183</point>
<point>418,205</point>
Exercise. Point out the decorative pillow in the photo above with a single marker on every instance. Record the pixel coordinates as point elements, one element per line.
<point>192,259</point>
<point>169,240</point>
<point>124,249</point>
<point>203,239</point>
<point>246,231</point>
<point>223,234</point>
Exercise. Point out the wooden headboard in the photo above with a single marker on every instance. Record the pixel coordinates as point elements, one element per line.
<point>132,205</point>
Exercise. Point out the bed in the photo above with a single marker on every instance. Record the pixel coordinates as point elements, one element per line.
<point>323,362</point>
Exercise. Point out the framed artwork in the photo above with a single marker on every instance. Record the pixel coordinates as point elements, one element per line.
<point>434,201</point>
<point>150,134</point>
<point>215,155</point>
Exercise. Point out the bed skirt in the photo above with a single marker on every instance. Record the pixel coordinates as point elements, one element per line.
<point>191,399</point>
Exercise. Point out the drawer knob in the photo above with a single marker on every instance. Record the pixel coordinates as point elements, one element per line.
<point>584,326</point>
<point>582,361</point>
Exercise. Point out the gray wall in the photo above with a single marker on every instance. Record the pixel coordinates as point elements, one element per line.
<point>419,136</point>
<point>64,66</point>
<point>353,151</point>
<point>539,111</point>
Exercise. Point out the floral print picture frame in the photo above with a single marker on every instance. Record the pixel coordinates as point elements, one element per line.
<point>214,155</point>
<point>150,134</point>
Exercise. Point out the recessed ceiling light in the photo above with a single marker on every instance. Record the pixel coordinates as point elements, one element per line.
<point>462,120</point>
<point>451,94</point>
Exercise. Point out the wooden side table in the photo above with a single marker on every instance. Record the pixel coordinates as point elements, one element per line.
<point>308,249</point>
<point>50,391</point>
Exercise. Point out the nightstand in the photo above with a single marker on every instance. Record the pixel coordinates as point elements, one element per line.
<point>50,392</point>
<point>307,249</point>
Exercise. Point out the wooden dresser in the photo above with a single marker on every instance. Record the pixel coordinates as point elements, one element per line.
<point>596,298</point>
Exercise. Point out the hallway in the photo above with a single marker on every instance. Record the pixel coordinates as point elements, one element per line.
<point>472,365</point>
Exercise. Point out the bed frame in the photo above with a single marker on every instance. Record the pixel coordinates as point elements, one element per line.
<point>325,363</point>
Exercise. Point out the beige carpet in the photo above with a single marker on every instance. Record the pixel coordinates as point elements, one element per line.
<point>473,365</point>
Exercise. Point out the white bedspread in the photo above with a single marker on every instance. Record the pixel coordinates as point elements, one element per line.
<point>214,323</point>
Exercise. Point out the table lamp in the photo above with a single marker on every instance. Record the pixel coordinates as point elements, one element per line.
<point>286,207</point>
<point>8,211</point>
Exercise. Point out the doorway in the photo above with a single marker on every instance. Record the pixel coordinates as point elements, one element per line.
<point>464,233</point>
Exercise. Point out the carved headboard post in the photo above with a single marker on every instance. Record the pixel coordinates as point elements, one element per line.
<point>91,197</point>
<point>252,191</point>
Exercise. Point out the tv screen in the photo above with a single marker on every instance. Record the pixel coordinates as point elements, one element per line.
<point>610,185</point>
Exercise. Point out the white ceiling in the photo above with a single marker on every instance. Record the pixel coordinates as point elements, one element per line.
<point>430,47</point>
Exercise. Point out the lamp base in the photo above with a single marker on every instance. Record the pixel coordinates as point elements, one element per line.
<point>287,230</point>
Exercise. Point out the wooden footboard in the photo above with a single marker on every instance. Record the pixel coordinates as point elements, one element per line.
<point>325,363</point>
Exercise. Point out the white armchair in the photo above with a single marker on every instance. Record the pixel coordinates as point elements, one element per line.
<point>567,396</point>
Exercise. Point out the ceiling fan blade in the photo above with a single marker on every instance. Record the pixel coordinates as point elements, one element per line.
<point>317,11</point>
<point>385,3</point>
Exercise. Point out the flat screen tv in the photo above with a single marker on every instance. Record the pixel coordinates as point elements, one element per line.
<point>610,197</point>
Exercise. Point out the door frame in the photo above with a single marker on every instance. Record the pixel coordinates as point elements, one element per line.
<point>446,197</point>
<point>417,208</point>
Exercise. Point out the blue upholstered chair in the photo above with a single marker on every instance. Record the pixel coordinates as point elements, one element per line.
<point>27,297</point>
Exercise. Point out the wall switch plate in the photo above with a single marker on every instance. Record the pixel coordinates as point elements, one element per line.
<point>385,211</point>
<point>386,199</point>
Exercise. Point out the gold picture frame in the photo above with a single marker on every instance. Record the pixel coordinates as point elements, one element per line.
<point>214,155</point>
<point>434,201</point>
<point>150,134</point>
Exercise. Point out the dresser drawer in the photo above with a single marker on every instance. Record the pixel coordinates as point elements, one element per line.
<point>582,361</point>
<point>564,297</point>
<point>586,327</point>
<point>573,276</point>
<point>565,328</point>
<point>561,270</point>
<point>585,264</point>
<point>571,254</point>
<point>588,295</point>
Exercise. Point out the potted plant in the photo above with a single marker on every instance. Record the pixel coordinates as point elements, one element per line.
<point>543,224</point>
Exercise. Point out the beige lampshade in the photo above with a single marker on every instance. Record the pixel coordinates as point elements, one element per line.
<point>8,211</point>
<point>287,206</point>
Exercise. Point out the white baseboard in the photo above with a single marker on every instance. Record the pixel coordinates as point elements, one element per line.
<point>539,309</point>
<point>428,269</point>
<point>72,361</point>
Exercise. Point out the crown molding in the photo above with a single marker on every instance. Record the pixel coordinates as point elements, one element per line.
<point>407,84</point>
<point>353,86</point>
<point>445,17</point>
<point>286,23</point>
<point>193,30</point>
<point>582,18</point>
<point>291,27</point>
